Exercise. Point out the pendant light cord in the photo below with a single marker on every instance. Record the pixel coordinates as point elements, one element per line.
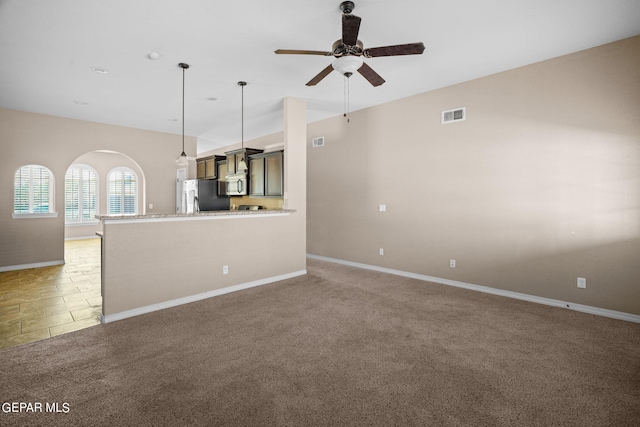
<point>183,153</point>
<point>184,68</point>
<point>242,85</point>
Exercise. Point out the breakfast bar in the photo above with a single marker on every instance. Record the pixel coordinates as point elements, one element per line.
<point>155,261</point>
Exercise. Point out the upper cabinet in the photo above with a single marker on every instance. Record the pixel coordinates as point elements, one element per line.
<point>222,176</point>
<point>235,159</point>
<point>256,178</point>
<point>267,174</point>
<point>207,168</point>
<point>274,174</point>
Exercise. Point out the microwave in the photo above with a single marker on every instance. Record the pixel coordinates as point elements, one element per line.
<point>237,184</point>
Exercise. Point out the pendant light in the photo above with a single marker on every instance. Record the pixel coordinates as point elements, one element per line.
<point>242,165</point>
<point>183,160</point>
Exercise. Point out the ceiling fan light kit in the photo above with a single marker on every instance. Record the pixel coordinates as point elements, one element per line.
<point>347,65</point>
<point>349,51</point>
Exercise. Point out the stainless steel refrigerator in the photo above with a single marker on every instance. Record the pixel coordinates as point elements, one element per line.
<point>202,195</point>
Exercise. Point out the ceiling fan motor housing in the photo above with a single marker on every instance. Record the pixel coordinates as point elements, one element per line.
<point>340,49</point>
<point>347,6</point>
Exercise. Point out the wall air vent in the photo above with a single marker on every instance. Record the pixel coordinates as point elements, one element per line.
<point>317,142</point>
<point>455,115</point>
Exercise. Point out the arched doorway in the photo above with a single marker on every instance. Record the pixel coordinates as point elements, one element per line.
<point>96,183</point>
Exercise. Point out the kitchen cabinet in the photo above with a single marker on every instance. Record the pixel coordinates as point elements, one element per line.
<point>201,173</point>
<point>267,174</point>
<point>207,167</point>
<point>221,166</point>
<point>274,175</point>
<point>256,178</point>
<point>235,157</point>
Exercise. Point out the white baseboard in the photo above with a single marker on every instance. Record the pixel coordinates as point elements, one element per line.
<point>193,298</point>
<point>32,265</point>
<point>81,238</point>
<point>620,315</point>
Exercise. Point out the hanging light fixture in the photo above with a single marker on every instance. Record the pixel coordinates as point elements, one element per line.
<point>242,165</point>
<point>347,65</point>
<point>183,160</point>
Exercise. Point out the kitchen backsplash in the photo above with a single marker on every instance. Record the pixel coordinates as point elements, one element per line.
<point>265,202</point>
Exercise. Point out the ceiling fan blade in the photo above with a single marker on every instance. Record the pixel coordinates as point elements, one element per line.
<point>368,73</point>
<point>302,52</point>
<point>400,49</point>
<point>321,75</point>
<point>350,29</point>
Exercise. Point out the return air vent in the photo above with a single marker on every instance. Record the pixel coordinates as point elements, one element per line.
<point>317,142</point>
<point>455,115</point>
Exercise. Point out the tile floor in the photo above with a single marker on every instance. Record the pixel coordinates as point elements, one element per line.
<point>39,303</point>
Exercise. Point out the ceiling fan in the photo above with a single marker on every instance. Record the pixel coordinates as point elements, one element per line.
<point>349,51</point>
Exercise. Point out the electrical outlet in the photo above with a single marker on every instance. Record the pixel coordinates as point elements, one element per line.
<point>582,283</point>
<point>452,263</point>
<point>150,205</point>
<point>381,251</point>
<point>225,269</point>
<point>383,208</point>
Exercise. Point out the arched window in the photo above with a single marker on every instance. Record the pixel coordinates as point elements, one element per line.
<point>122,188</point>
<point>33,187</point>
<point>80,194</point>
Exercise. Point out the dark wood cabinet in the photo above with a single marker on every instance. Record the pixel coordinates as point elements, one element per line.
<point>256,178</point>
<point>231,164</point>
<point>201,173</point>
<point>236,157</point>
<point>221,166</point>
<point>274,175</point>
<point>207,167</point>
<point>267,174</point>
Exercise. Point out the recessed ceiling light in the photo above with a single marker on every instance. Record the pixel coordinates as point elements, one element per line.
<point>100,70</point>
<point>153,55</point>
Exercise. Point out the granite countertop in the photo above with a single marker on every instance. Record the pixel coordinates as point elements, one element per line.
<point>196,215</point>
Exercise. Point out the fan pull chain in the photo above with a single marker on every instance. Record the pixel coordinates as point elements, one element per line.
<point>346,97</point>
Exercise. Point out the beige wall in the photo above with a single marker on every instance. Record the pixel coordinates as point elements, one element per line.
<point>151,263</point>
<point>55,142</point>
<point>540,185</point>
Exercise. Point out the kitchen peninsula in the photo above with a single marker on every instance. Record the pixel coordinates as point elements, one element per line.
<point>156,261</point>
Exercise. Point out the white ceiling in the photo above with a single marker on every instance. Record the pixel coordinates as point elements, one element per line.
<point>47,49</point>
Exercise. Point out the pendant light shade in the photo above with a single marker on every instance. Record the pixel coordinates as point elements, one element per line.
<point>183,160</point>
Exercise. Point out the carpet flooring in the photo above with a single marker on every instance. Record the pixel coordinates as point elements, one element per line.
<point>338,347</point>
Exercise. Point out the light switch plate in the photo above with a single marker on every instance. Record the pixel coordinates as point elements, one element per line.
<point>383,208</point>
